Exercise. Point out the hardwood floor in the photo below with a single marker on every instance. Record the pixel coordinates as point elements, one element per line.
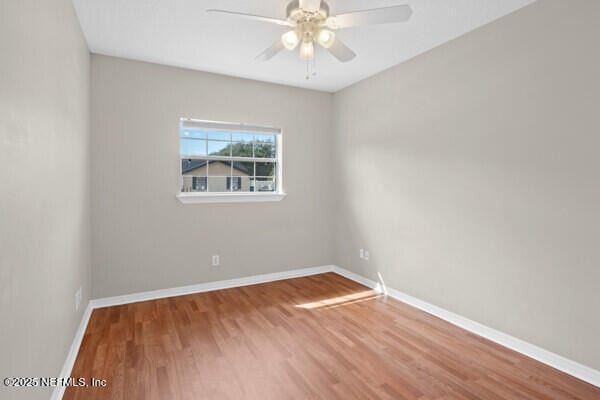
<point>319,337</point>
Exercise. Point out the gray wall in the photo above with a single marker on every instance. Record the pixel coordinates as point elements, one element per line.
<point>471,174</point>
<point>143,237</point>
<point>44,187</point>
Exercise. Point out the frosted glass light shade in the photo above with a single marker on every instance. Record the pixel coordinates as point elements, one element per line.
<point>326,38</point>
<point>307,50</point>
<point>290,40</point>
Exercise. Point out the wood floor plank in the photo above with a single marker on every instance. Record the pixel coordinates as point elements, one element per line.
<point>318,337</point>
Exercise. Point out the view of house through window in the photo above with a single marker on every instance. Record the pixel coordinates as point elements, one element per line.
<point>226,157</point>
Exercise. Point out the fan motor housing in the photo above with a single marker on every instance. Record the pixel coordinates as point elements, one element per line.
<point>294,12</point>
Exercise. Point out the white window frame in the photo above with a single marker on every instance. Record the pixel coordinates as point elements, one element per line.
<point>235,197</point>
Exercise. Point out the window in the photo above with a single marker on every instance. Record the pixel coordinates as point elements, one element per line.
<point>229,162</point>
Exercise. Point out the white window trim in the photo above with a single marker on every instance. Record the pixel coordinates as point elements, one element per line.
<point>228,197</point>
<point>239,197</point>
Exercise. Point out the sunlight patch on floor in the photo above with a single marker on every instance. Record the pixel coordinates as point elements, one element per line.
<point>341,300</point>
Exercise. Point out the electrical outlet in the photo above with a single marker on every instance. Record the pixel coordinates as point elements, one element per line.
<point>366,257</point>
<point>362,253</point>
<point>215,260</point>
<point>78,297</point>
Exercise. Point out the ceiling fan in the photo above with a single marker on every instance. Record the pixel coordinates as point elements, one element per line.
<point>309,23</point>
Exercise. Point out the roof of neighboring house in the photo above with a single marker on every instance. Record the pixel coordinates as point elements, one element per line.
<point>188,165</point>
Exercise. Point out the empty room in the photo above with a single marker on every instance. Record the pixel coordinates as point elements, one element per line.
<point>299,199</point>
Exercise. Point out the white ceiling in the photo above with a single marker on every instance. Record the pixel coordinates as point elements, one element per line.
<point>181,33</point>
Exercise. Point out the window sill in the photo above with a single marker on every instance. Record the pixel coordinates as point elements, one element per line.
<point>195,198</point>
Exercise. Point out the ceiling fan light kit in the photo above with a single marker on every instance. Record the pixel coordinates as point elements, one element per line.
<point>310,24</point>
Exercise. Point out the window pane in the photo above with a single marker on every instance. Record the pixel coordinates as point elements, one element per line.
<point>219,148</point>
<point>264,150</point>
<point>241,149</point>
<point>193,167</point>
<point>265,138</point>
<point>242,137</point>
<point>246,183</point>
<point>243,168</point>
<point>193,133</point>
<point>218,184</point>
<point>234,183</point>
<point>193,183</point>
<point>265,169</point>
<point>193,147</point>
<point>219,135</point>
<point>193,177</point>
<point>264,185</point>
<point>219,168</point>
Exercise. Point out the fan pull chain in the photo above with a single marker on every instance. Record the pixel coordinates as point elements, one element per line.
<point>311,69</point>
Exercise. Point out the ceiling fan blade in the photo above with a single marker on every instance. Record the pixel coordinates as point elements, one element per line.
<point>310,5</point>
<point>340,51</point>
<point>384,15</point>
<point>271,51</point>
<point>252,17</point>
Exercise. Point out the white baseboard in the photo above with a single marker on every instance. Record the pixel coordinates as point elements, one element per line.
<point>208,286</point>
<point>59,391</point>
<point>561,363</point>
<point>358,278</point>
<point>554,360</point>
